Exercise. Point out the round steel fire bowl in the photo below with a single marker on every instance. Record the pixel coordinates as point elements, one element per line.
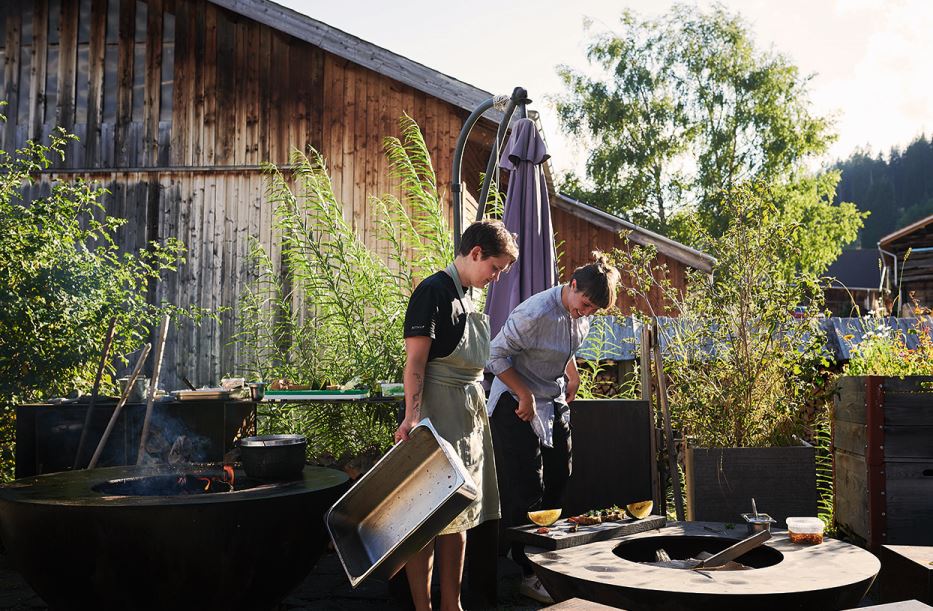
<point>161,537</point>
<point>781,575</point>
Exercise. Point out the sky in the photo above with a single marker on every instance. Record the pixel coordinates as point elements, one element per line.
<point>870,61</point>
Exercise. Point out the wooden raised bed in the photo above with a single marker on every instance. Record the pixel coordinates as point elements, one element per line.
<point>883,459</point>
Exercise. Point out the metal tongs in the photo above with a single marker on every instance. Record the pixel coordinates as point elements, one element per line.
<point>734,551</point>
<point>716,560</point>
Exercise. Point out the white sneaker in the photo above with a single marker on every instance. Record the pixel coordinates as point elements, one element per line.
<point>532,588</point>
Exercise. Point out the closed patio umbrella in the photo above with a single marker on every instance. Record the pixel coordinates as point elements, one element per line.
<point>528,215</point>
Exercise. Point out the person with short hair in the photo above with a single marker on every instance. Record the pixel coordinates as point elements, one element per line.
<point>536,378</point>
<point>447,345</point>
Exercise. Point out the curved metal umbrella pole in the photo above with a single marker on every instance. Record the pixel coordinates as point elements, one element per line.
<point>519,96</point>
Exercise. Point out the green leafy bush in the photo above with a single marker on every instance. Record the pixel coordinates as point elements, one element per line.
<point>883,351</point>
<point>743,371</point>
<point>62,279</point>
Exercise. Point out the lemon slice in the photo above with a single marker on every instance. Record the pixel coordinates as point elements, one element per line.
<point>545,517</point>
<point>640,510</point>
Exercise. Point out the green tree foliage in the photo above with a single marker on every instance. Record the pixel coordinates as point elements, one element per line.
<point>336,308</point>
<point>896,191</point>
<point>821,228</point>
<point>62,279</point>
<point>743,371</point>
<point>685,108</point>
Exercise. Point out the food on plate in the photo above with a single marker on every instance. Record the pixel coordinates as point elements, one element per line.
<point>640,510</point>
<point>588,520</point>
<point>543,530</point>
<point>545,517</point>
<point>598,516</point>
<point>613,514</point>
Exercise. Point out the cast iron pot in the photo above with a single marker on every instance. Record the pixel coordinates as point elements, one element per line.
<point>273,456</point>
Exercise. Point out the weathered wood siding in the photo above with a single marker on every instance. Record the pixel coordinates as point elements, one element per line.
<point>176,103</point>
<point>578,238</point>
<point>883,459</point>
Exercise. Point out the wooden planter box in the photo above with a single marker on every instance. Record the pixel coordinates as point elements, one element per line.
<point>883,459</point>
<point>721,483</point>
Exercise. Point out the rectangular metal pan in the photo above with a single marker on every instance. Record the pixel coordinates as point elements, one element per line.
<point>404,501</point>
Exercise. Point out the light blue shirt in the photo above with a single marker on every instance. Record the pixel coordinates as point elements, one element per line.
<point>538,340</point>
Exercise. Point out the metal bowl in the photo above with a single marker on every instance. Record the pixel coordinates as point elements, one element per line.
<point>273,456</point>
<point>758,523</point>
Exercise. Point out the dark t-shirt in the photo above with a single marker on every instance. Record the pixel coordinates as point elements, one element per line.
<point>436,311</point>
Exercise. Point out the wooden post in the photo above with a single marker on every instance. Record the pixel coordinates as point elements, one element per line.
<point>90,406</point>
<point>668,433</point>
<point>153,386</point>
<point>119,407</point>
<point>645,365</point>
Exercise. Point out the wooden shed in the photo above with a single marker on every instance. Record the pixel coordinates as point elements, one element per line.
<point>907,255</point>
<point>178,102</point>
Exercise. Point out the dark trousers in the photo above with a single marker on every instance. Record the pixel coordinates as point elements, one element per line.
<point>531,476</point>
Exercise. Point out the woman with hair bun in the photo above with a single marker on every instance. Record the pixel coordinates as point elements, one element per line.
<point>532,358</point>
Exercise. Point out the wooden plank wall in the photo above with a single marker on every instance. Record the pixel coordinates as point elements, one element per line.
<point>176,103</point>
<point>907,459</point>
<point>580,238</point>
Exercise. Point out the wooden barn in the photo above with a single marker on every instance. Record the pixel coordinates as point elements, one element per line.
<point>178,102</point>
<point>907,255</point>
<point>584,229</point>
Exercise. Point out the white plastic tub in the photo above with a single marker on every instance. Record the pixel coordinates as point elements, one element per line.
<point>805,530</point>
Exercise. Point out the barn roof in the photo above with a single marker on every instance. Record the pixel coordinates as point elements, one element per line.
<point>917,234</point>
<point>443,87</point>
<point>639,235</point>
<point>361,52</point>
<point>856,269</point>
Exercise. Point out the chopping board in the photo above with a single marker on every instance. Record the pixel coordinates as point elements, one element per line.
<point>560,537</point>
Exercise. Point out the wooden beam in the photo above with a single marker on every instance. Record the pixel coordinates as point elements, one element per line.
<point>153,84</point>
<point>95,97</point>
<point>126,56</point>
<point>40,38</point>
<point>67,64</point>
<point>11,85</point>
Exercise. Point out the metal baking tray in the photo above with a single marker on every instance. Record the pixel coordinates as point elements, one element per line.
<point>403,502</point>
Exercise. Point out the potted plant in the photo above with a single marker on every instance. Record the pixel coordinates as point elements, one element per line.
<point>882,426</point>
<point>743,367</point>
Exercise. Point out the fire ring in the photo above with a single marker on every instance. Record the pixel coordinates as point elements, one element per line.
<point>830,575</point>
<point>103,539</point>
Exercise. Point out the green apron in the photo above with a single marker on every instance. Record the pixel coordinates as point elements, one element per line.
<point>454,401</point>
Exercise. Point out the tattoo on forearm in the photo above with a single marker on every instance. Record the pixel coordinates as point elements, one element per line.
<point>416,397</point>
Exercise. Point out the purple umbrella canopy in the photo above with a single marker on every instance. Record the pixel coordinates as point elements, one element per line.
<point>528,215</point>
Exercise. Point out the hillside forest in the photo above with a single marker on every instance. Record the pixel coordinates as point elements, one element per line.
<point>897,189</point>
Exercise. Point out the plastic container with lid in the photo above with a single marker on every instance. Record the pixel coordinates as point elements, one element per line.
<point>805,530</point>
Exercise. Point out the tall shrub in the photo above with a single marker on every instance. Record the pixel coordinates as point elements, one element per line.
<point>334,312</point>
<point>742,368</point>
